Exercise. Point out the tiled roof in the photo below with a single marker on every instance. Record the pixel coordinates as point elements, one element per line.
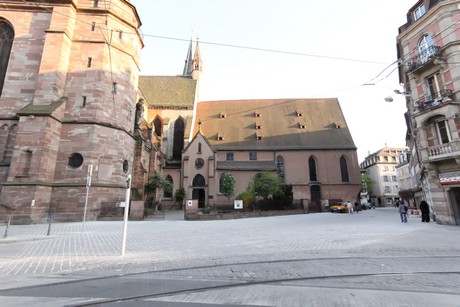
<point>168,91</point>
<point>284,124</point>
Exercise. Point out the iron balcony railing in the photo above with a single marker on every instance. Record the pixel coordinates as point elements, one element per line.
<point>431,101</point>
<point>425,57</point>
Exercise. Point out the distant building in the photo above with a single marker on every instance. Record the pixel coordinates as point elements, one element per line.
<point>427,48</point>
<point>381,169</point>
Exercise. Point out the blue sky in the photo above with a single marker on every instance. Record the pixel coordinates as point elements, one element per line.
<point>344,45</point>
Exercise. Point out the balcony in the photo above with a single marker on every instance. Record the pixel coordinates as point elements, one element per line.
<point>432,101</point>
<point>444,151</point>
<point>425,59</point>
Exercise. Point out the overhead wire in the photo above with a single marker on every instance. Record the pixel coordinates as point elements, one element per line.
<point>399,62</point>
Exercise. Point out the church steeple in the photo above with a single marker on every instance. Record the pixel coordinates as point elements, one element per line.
<point>188,61</point>
<point>193,65</point>
<point>197,64</point>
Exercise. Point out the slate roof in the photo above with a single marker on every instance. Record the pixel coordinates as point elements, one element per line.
<point>285,124</point>
<point>32,109</point>
<point>168,91</point>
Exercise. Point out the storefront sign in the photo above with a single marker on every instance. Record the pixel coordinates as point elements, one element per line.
<point>450,177</point>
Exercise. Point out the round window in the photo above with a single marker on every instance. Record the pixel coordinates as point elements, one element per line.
<point>75,160</point>
<point>125,166</point>
<point>199,163</point>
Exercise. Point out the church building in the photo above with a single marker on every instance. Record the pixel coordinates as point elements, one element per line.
<point>305,141</point>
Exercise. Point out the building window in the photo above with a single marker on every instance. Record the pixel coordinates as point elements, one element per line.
<point>157,122</point>
<point>435,86</point>
<point>280,166</point>
<point>178,141</point>
<point>6,42</point>
<point>253,155</point>
<point>168,194</point>
<point>10,140</point>
<point>199,181</point>
<point>75,160</point>
<point>88,62</point>
<point>221,181</point>
<point>120,34</point>
<point>344,169</point>
<point>95,3</point>
<point>114,88</point>
<point>387,189</point>
<point>125,166</point>
<point>394,178</point>
<point>425,48</point>
<point>312,169</point>
<point>93,26</point>
<point>229,156</point>
<point>419,12</point>
<point>385,178</point>
<point>443,132</point>
<point>199,148</point>
<point>83,101</point>
<point>24,164</point>
<point>385,168</point>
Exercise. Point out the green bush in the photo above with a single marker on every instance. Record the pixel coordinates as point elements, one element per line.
<point>248,200</point>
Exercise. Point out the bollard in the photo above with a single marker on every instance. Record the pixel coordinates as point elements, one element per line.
<point>6,229</point>
<point>49,223</point>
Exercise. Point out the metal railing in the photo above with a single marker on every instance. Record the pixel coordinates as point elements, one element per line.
<point>430,101</point>
<point>424,57</point>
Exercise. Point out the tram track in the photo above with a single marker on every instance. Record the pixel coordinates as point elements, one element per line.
<point>187,275</point>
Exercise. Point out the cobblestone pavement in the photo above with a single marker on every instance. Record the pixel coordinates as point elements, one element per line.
<point>296,251</point>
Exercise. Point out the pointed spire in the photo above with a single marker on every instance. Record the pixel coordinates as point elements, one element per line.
<point>197,64</point>
<point>188,67</point>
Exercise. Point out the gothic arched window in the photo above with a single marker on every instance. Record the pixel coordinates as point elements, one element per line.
<point>6,42</point>
<point>168,194</point>
<point>179,129</point>
<point>344,169</point>
<point>312,168</point>
<point>198,181</point>
<point>221,181</point>
<point>10,140</point>
<point>158,124</point>
<point>280,166</point>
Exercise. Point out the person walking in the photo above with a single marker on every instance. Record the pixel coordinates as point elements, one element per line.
<point>350,207</point>
<point>425,208</point>
<point>403,211</point>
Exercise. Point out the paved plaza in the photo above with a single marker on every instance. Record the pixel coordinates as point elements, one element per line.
<point>322,259</point>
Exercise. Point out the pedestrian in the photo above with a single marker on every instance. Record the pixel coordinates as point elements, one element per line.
<point>425,208</point>
<point>350,207</point>
<point>403,211</point>
<point>356,207</point>
<point>397,204</point>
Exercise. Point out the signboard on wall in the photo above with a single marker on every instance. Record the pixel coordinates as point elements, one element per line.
<point>238,204</point>
<point>452,177</point>
<point>189,203</point>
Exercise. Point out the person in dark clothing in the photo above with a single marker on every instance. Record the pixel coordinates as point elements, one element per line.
<point>425,211</point>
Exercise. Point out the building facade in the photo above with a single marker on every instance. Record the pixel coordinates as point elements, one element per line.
<point>380,166</point>
<point>306,141</point>
<point>68,86</point>
<point>428,51</point>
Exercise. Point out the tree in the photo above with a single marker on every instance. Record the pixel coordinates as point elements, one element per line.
<point>228,185</point>
<point>366,183</point>
<point>267,185</point>
<point>155,184</point>
<point>179,196</point>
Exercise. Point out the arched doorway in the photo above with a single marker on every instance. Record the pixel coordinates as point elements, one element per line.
<point>199,191</point>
